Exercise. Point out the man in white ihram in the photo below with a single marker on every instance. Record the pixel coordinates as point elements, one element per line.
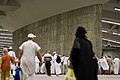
<point>116,65</point>
<point>12,53</point>
<point>28,50</point>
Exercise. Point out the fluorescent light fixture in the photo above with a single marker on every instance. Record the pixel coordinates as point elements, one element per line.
<point>7,37</point>
<point>6,34</point>
<point>114,33</point>
<point>118,34</point>
<point>104,31</point>
<point>5,40</point>
<point>5,43</point>
<point>104,39</point>
<point>111,40</point>
<point>117,9</point>
<point>104,45</point>
<point>3,30</point>
<point>110,22</point>
<point>2,45</point>
<point>111,45</point>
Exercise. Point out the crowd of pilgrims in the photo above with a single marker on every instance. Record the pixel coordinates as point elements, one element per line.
<point>55,64</point>
<point>106,65</point>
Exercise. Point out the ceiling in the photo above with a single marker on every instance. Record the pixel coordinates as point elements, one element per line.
<point>19,13</point>
<point>15,14</point>
<point>112,36</point>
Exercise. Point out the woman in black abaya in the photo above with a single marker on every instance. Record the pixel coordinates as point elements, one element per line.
<point>81,57</point>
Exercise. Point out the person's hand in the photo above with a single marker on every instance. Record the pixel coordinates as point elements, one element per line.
<point>17,61</point>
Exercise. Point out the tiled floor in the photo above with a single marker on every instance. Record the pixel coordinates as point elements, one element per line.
<point>61,77</point>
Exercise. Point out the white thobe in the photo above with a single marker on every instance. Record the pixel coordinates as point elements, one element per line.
<point>57,66</point>
<point>37,67</point>
<point>12,65</point>
<point>52,65</point>
<point>42,69</point>
<point>104,64</point>
<point>116,65</point>
<point>29,49</point>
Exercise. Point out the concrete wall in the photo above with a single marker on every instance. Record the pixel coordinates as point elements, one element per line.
<point>58,32</point>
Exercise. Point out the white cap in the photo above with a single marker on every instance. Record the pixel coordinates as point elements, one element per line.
<point>10,47</point>
<point>54,52</point>
<point>31,35</point>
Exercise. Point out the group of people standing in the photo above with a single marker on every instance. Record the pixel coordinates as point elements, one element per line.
<point>107,65</point>
<point>53,63</point>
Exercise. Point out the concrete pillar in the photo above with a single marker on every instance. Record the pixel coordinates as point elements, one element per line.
<point>58,32</point>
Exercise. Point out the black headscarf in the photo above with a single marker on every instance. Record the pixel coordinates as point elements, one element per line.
<point>80,33</point>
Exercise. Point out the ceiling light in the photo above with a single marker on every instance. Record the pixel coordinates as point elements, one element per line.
<point>104,31</point>
<point>7,37</point>
<point>114,33</point>
<point>117,9</point>
<point>110,22</point>
<point>3,30</point>
<point>111,40</point>
<point>118,34</point>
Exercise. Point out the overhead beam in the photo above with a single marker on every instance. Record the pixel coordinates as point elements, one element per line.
<point>5,39</point>
<point>110,19</point>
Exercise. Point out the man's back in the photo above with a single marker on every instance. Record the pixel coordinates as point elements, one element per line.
<point>6,62</point>
<point>29,49</point>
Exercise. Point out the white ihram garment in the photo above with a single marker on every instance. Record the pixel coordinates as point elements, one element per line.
<point>53,65</point>
<point>42,69</point>
<point>28,58</point>
<point>116,65</point>
<point>57,66</point>
<point>12,65</point>
<point>104,64</point>
<point>37,67</point>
